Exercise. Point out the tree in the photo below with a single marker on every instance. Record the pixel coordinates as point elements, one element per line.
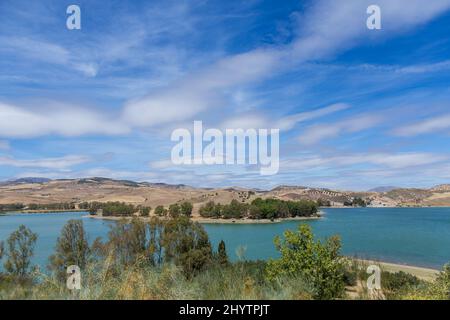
<point>2,249</point>
<point>320,265</point>
<point>72,248</point>
<point>222,256</point>
<point>160,211</point>
<point>128,242</point>
<point>174,210</point>
<point>186,208</point>
<point>156,227</point>
<point>145,211</point>
<point>20,251</point>
<point>187,245</point>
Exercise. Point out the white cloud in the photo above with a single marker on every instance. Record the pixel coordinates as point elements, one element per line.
<point>386,160</point>
<point>317,133</point>
<point>253,120</point>
<point>427,126</point>
<point>65,120</point>
<point>328,26</point>
<point>46,163</point>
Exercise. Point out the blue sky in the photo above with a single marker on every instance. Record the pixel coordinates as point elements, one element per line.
<point>356,108</point>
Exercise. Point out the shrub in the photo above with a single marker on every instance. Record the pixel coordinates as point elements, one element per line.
<point>320,265</point>
<point>160,211</point>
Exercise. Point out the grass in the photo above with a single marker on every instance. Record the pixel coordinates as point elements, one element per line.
<point>241,280</point>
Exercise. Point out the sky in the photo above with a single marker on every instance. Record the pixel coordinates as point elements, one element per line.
<point>356,108</point>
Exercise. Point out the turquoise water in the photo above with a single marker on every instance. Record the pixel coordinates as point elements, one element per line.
<point>415,236</point>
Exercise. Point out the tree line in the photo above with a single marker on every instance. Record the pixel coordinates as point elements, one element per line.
<point>260,209</point>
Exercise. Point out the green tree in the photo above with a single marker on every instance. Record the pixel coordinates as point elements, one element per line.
<point>187,245</point>
<point>128,242</point>
<point>320,265</point>
<point>160,211</point>
<point>174,210</point>
<point>20,251</point>
<point>222,256</point>
<point>145,211</point>
<point>186,208</point>
<point>72,248</point>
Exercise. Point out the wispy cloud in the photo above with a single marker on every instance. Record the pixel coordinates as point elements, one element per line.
<point>435,124</point>
<point>319,132</point>
<point>55,118</point>
<point>47,163</point>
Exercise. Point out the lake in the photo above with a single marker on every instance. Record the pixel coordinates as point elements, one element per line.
<point>413,236</point>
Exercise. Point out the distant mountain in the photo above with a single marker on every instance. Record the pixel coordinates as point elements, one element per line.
<point>383,189</point>
<point>28,180</point>
<point>441,188</point>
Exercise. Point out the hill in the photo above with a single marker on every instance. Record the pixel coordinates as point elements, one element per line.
<point>45,191</point>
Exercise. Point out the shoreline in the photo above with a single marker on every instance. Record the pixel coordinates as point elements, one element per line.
<point>427,274</point>
<point>214,221</point>
<point>43,211</point>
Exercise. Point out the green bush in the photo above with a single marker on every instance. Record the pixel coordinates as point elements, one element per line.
<point>319,265</point>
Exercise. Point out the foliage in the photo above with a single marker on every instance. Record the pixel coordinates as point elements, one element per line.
<point>174,210</point>
<point>160,211</point>
<point>222,257</point>
<point>72,248</point>
<point>20,250</point>
<point>318,264</point>
<point>186,208</point>
<point>211,210</point>
<point>260,209</point>
<point>145,211</point>
<point>11,207</point>
<point>359,202</point>
<point>2,249</point>
<point>187,245</point>
<point>52,206</point>
<point>118,209</point>
<point>440,289</point>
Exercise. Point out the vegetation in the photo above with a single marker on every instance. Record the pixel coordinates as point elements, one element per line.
<point>222,257</point>
<point>11,207</point>
<point>20,248</point>
<point>260,209</point>
<point>72,248</point>
<point>319,264</point>
<point>160,211</point>
<point>52,206</point>
<point>356,202</point>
